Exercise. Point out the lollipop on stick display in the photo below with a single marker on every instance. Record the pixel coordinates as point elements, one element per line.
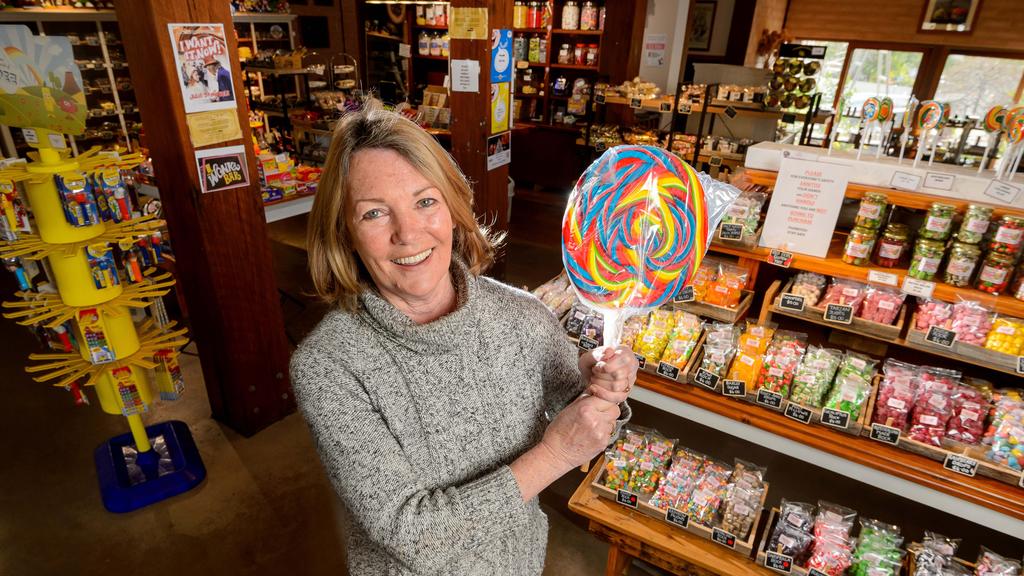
<point>943,120</point>
<point>929,114</point>
<point>908,124</point>
<point>994,126</point>
<point>884,117</point>
<point>834,131</point>
<point>1012,124</point>
<point>635,230</point>
<point>869,115</point>
<point>1016,137</point>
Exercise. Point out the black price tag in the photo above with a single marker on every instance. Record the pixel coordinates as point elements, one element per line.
<point>706,379</point>
<point>1021,483</point>
<point>1020,364</point>
<point>778,562</point>
<point>715,161</point>
<point>626,498</point>
<point>780,258</point>
<point>885,434</point>
<point>839,313</point>
<point>961,465</point>
<point>734,388</point>
<point>813,572</point>
<point>792,302</point>
<point>600,98</point>
<point>768,398</point>
<point>600,146</point>
<point>641,359</point>
<point>685,295</point>
<point>586,343</point>
<point>798,413</point>
<point>788,118</point>
<point>665,107</point>
<point>724,538</point>
<point>685,109</point>
<point>836,418</point>
<point>676,517</point>
<point>941,336</point>
<point>730,231</point>
<point>730,111</point>
<point>668,371</point>
<point>635,103</point>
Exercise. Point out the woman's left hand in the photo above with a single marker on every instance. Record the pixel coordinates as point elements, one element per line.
<point>609,372</point>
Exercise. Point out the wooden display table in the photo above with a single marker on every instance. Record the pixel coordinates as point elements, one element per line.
<point>631,534</point>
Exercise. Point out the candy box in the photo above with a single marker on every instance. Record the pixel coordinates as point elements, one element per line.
<point>720,313</point>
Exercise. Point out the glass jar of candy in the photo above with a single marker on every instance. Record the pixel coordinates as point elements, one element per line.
<point>939,222</point>
<point>533,51</point>
<point>571,16</point>
<point>892,245</point>
<point>963,258</point>
<point>591,54</point>
<point>519,10</point>
<point>1008,236</point>
<point>565,54</point>
<point>975,224</point>
<point>994,275</point>
<point>588,16</point>
<point>925,262</point>
<point>872,210</point>
<point>859,245</point>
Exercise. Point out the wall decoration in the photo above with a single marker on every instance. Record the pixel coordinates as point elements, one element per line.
<point>702,23</point>
<point>949,15</point>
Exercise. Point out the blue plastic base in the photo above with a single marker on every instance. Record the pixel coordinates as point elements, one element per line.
<point>184,471</point>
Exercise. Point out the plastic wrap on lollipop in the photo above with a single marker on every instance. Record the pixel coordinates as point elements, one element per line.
<point>636,228</point>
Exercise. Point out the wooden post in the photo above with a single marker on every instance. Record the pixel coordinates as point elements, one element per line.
<point>219,239</point>
<point>471,116</point>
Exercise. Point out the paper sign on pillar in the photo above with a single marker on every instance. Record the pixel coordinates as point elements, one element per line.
<point>804,206</point>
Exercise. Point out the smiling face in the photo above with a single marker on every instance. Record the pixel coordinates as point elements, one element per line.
<point>401,228</point>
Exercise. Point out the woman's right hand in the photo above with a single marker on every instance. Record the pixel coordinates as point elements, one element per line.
<point>581,431</point>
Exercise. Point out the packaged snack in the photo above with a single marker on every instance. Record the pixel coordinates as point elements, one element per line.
<point>832,553</point>
<point>933,313</point>
<point>1004,401</point>
<point>1006,447</point>
<point>843,291</point>
<point>727,287</point>
<point>793,531</point>
<point>755,339</point>
<point>649,464</point>
<point>881,304</point>
<point>878,550</point>
<point>556,294</point>
<point>859,365</point>
<point>708,494</point>
<point>814,375</point>
<point>684,338</point>
<point>705,274</point>
<point>746,211</point>
<point>992,564</point>
<point>810,285</point>
<point>781,360</point>
<point>849,394</point>
<point>632,329</point>
<point>593,328</point>
<point>743,499</point>
<point>967,424</point>
<point>652,342</point>
<point>574,322</point>
<point>621,455</point>
<point>936,553</point>
<point>719,348</point>
<point>933,406</point>
<point>896,394</point>
<point>679,481</point>
<point>1006,336</point>
<point>971,322</point>
<point>751,346</point>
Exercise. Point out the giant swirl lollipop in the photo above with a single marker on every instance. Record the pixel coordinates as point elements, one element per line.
<point>929,115</point>
<point>869,115</point>
<point>993,125</point>
<point>635,230</point>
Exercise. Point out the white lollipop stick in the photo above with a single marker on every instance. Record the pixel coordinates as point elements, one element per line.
<point>1016,162</point>
<point>885,138</point>
<point>935,146</point>
<point>923,141</point>
<point>992,139</point>
<point>865,134</point>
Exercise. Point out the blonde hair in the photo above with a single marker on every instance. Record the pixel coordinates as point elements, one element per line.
<point>338,274</point>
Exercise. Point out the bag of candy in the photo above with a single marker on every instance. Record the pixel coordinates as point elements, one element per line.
<point>746,212</point>
<point>814,375</point>
<point>933,406</point>
<point>846,292</point>
<point>1003,400</point>
<point>727,287</point>
<point>852,385</point>
<point>708,494</point>
<point>933,313</point>
<point>1007,443</point>
<point>936,553</point>
<point>831,555</point>
<point>881,304</point>
<point>992,564</point>
<point>652,341</point>
<point>756,338</point>
<point>743,499</point>
<point>781,360</point>
<point>896,394</point>
<point>649,463</point>
<point>702,279</point>
<point>683,340</point>
<point>967,424</point>
<point>593,328</point>
<point>679,481</point>
<point>793,531</point>
<point>878,550</point>
<point>810,286</point>
<point>859,365</point>
<point>632,329</point>
<point>621,455</point>
<point>1006,336</point>
<point>971,322</point>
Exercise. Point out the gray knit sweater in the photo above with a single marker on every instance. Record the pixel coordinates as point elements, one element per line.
<point>416,426</point>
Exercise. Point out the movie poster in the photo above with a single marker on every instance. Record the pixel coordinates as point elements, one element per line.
<point>204,68</point>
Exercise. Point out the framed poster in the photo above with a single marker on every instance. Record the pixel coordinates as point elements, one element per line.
<point>949,15</point>
<point>701,25</point>
<point>204,68</point>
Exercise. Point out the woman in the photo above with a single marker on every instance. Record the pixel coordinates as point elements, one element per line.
<point>428,387</point>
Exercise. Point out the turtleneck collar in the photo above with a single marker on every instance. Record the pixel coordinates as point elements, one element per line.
<point>452,331</point>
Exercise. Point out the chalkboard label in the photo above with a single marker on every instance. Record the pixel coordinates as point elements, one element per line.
<point>706,379</point>
<point>715,161</point>
<point>798,413</point>
<point>734,388</point>
<point>665,107</point>
<point>813,572</point>
<point>724,538</point>
<point>792,302</point>
<point>1021,483</point>
<point>780,258</point>
<point>635,103</point>
<point>730,231</point>
<point>600,98</point>
<point>885,434</point>
<point>778,562</point>
<point>768,398</point>
<point>961,465</point>
<point>839,313</point>
<point>1020,364</point>
<point>586,343</point>
<point>941,336</point>
<point>626,498</point>
<point>685,108</point>
<point>685,295</point>
<point>836,418</point>
<point>641,359</point>
<point>600,146</point>
<point>676,517</point>
<point>730,111</point>
<point>668,371</point>
<point>788,118</point>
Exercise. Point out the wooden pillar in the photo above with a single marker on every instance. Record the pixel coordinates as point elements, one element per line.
<point>471,116</point>
<point>219,238</point>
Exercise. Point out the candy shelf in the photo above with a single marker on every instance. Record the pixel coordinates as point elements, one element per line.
<point>978,499</point>
<point>884,332</point>
<point>720,313</point>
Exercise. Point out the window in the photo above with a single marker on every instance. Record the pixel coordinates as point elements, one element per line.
<point>879,73</point>
<point>974,84</point>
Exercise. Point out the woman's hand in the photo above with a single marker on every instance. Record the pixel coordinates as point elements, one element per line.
<point>581,431</point>
<point>609,372</point>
